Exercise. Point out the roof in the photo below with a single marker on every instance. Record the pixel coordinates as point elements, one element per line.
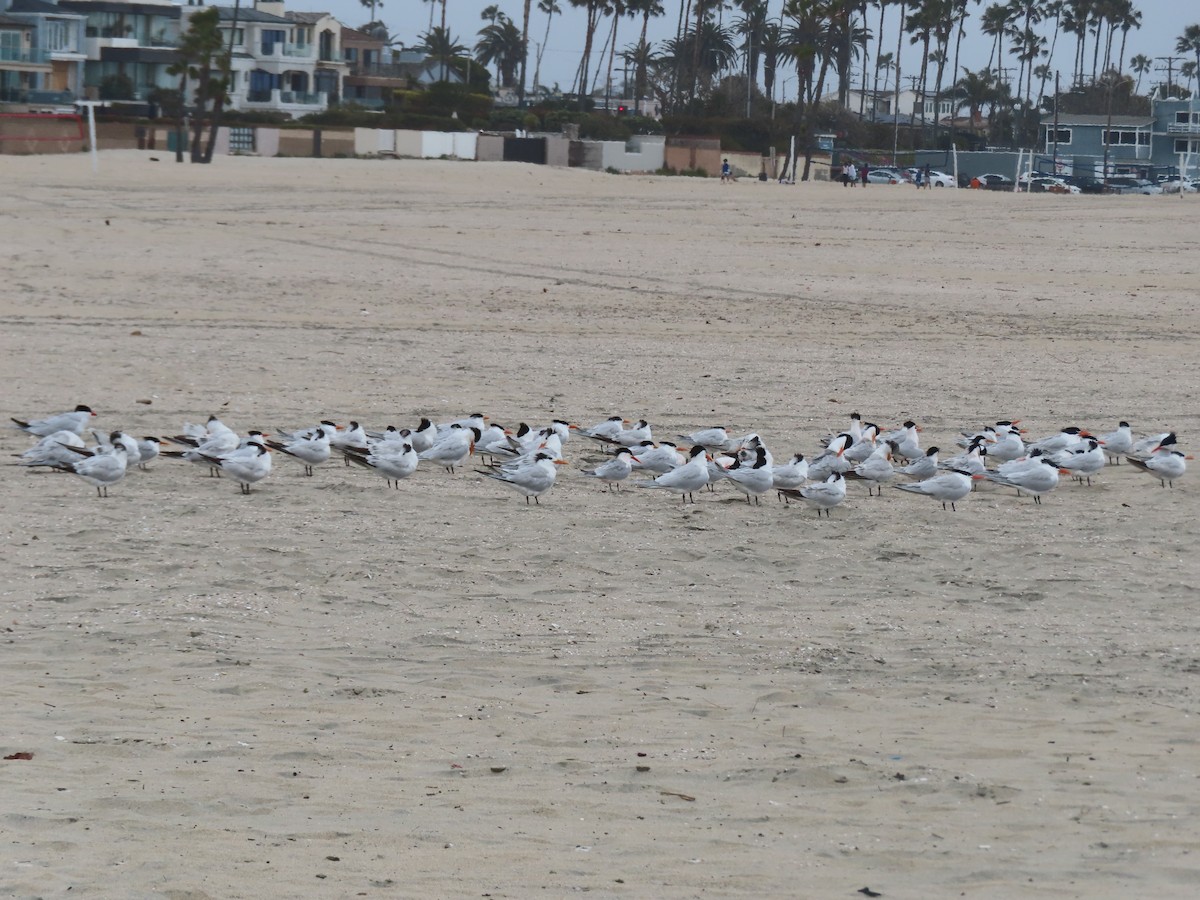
<point>305,18</point>
<point>14,23</point>
<point>37,6</point>
<point>225,14</point>
<point>355,34</point>
<point>1127,121</point>
<point>143,7</point>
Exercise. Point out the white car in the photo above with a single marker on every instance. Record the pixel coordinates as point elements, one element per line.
<point>1174,186</point>
<point>936,178</point>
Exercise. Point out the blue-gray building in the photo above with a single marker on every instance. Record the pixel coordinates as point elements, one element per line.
<point>1140,145</point>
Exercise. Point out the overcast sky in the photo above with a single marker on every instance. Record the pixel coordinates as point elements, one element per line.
<point>1162,23</point>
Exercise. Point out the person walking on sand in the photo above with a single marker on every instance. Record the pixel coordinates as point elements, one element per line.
<point>927,183</point>
<point>726,171</point>
<point>863,173</point>
<point>851,175</point>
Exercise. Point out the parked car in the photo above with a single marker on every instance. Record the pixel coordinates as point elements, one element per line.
<point>994,182</point>
<point>1174,186</point>
<point>884,176</point>
<point>940,179</point>
<point>1051,186</point>
<point>1124,185</point>
<point>1086,183</point>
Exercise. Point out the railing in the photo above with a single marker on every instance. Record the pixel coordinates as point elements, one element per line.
<point>277,48</point>
<point>1181,128</point>
<point>299,98</point>
<point>380,70</point>
<point>276,97</point>
<point>21,55</point>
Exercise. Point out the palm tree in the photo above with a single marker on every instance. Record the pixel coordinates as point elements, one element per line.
<point>440,44</point>
<point>1187,71</point>
<point>640,57</point>
<point>1189,42</point>
<point>501,43</point>
<point>751,26</point>
<point>489,14</point>
<point>647,9</point>
<point>976,90</point>
<point>372,5</point>
<point>1141,64</point>
<point>551,9</point>
<point>1130,18</point>
<point>883,61</point>
<point>773,50</point>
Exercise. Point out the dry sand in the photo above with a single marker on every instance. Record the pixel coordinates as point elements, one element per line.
<point>332,689</point>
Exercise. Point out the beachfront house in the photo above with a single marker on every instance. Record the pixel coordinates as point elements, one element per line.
<point>22,65</point>
<point>129,46</point>
<point>1138,145</point>
<point>55,49</point>
<point>289,62</point>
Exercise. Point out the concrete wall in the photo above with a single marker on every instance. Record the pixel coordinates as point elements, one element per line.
<point>693,153</point>
<point>22,135</point>
<point>489,148</point>
<point>642,153</point>
<point>746,165</point>
<point>558,150</point>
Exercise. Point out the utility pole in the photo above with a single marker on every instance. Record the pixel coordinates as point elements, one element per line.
<point>1054,161</point>
<point>1169,68</point>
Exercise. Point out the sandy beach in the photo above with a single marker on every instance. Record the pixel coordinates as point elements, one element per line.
<point>331,689</point>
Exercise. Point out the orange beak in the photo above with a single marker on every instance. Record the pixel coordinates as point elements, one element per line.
<point>560,462</point>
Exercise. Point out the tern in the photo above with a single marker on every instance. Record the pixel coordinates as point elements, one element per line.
<point>753,480</point>
<point>790,475</point>
<point>876,468</point>
<point>453,448</point>
<point>1117,443</point>
<point>1165,463</point>
<point>616,470</point>
<point>55,449</point>
<point>73,421</point>
<point>532,478</point>
<point>249,464</point>
<point>101,469</point>
<point>606,430</point>
<point>392,462</point>
<point>922,467</point>
<point>685,479</point>
<point>311,451</point>
<point>948,486</point>
<point>824,495</point>
<point>1082,463</point>
<point>1039,478</point>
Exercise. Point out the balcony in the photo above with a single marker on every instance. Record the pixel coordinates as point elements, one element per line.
<point>31,56</point>
<point>299,102</point>
<point>1182,128</point>
<point>286,51</point>
<point>381,70</point>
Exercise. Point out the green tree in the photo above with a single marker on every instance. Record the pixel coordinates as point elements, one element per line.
<point>551,9</point>
<point>372,5</point>
<point>1189,42</point>
<point>443,46</point>
<point>1141,64</point>
<point>202,60</point>
<point>500,44</point>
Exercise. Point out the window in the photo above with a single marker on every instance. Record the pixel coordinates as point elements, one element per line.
<point>58,36</point>
<point>1183,145</point>
<point>239,37</point>
<point>1127,138</point>
<point>1187,118</point>
<point>1061,136</point>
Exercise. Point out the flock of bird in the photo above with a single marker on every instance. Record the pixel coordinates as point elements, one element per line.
<point>527,460</point>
